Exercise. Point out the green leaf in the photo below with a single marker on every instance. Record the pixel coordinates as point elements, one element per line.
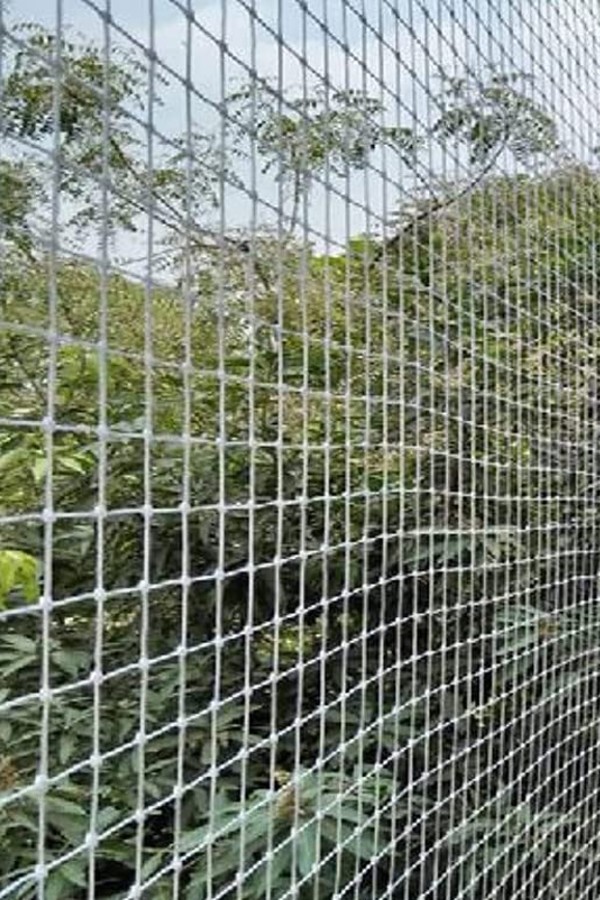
<point>26,646</point>
<point>17,665</point>
<point>70,828</point>
<point>75,872</point>
<point>306,844</point>
<point>73,464</point>
<point>18,571</point>
<point>70,662</point>
<point>356,841</point>
<point>272,870</point>
<point>64,807</point>
<point>57,886</point>
<point>107,817</point>
<point>152,864</point>
<point>10,459</point>
<point>39,469</point>
<point>66,746</point>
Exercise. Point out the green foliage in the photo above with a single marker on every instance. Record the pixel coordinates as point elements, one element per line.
<point>48,78</point>
<point>61,92</point>
<point>495,116</point>
<point>337,130</point>
<point>18,197</point>
<point>18,570</point>
<point>87,88</point>
<point>312,828</point>
<point>424,414</point>
<point>325,133</point>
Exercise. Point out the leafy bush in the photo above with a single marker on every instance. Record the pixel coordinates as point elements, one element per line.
<point>372,627</point>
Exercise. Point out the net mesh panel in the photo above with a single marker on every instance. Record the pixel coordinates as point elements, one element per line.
<point>299,475</point>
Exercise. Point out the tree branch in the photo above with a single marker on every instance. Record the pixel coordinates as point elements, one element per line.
<point>442,203</point>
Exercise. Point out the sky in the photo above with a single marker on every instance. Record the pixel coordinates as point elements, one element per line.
<point>397,50</point>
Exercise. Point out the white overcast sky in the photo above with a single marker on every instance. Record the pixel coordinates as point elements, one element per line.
<point>396,49</point>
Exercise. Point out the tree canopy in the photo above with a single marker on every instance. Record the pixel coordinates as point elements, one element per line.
<point>386,460</point>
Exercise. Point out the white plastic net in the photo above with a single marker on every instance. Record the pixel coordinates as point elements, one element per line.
<point>299,471</point>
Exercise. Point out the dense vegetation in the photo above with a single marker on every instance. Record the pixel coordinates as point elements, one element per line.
<point>328,534</point>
